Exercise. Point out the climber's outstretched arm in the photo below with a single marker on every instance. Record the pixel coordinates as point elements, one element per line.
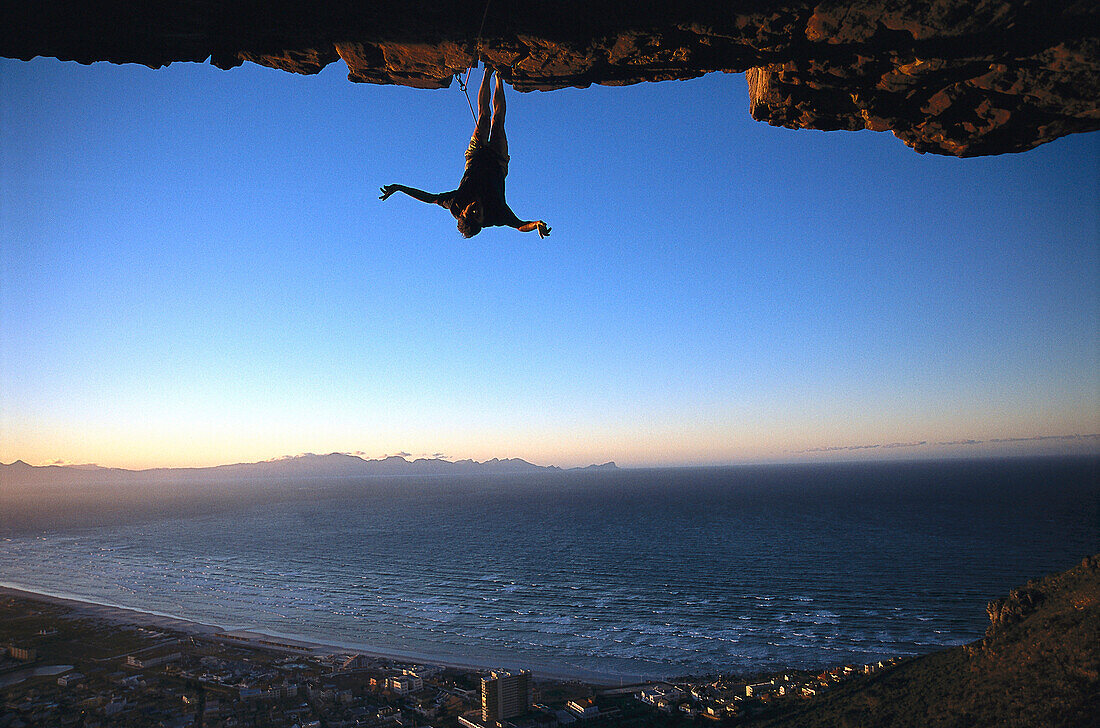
<point>416,194</point>
<point>525,226</point>
<point>539,225</point>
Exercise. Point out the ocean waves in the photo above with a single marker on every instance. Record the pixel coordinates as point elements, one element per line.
<point>625,576</point>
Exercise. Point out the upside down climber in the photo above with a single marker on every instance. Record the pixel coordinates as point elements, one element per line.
<point>479,200</point>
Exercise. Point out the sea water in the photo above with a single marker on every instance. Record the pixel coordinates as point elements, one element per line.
<point>623,575</point>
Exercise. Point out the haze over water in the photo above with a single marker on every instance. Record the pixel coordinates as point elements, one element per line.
<point>619,575</point>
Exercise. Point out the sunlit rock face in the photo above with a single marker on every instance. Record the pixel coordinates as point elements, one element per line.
<point>945,76</point>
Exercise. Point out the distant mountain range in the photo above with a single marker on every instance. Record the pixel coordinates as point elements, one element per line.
<point>333,465</point>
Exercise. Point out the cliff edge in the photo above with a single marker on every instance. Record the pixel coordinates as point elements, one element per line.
<point>1038,665</point>
<point>957,77</point>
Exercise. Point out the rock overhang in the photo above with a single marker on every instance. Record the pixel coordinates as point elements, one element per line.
<point>945,76</point>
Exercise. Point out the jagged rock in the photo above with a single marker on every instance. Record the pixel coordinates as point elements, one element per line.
<point>1012,609</point>
<point>1020,603</point>
<point>945,76</point>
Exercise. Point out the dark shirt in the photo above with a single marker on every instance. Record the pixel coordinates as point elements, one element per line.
<point>483,181</point>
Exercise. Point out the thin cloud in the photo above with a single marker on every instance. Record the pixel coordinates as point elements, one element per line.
<point>839,448</point>
<point>1042,438</point>
<point>946,443</point>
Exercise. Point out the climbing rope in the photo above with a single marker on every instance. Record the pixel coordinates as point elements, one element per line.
<point>462,83</point>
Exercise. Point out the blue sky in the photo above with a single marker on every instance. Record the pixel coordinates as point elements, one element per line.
<point>195,269</point>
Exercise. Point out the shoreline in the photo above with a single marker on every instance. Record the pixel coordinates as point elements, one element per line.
<point>262,639</point>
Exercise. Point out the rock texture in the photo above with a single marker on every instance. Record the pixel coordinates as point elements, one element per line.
<point>952,77</point>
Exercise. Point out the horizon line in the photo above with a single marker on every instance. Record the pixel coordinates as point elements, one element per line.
<point>780,456</point>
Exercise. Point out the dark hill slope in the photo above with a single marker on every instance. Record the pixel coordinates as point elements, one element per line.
<point>1038,665</point>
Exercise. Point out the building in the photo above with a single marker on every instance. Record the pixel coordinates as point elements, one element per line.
<point>25,654</point>
<point>655,694</point>
<point>715,712</point>
<point>274,692</point>
<point>69,678</point>
<point>404,684</point>
<point>505,694</point>
<point>757,690</point>
<point>356,662</point>
<point>583,708</point>
<point>470,720</point>
<point>147,662</point>
<point>424,672</point>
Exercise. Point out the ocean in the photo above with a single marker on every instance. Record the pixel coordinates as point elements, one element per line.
<point>617,576</point>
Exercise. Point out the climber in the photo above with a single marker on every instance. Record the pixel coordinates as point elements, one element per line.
<point>479,200</point>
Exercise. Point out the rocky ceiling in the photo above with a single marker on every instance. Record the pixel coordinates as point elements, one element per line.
<point>945,76</point>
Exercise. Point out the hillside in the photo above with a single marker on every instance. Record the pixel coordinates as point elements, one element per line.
<point>1038,666</point>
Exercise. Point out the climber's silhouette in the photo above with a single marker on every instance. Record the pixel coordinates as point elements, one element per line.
<point>479,200</point>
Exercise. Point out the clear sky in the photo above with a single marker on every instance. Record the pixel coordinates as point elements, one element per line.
<point>195,269</point>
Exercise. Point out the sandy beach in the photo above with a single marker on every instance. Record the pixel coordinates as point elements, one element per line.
<point>114,614</point>
<point>117,615</point>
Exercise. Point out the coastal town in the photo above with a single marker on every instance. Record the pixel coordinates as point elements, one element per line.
<point>60,667</point>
